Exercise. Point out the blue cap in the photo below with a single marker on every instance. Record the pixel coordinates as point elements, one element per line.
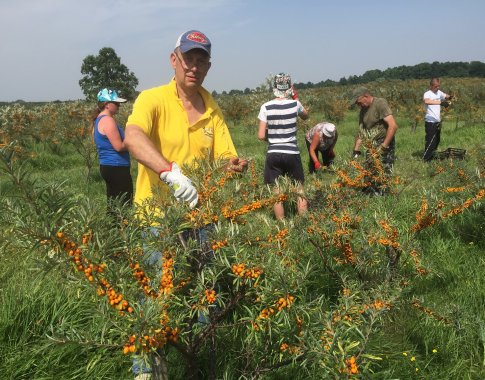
<point>193,39</point>
<point>106,95</point>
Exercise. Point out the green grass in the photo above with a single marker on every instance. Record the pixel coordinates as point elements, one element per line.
<point>40,324</point>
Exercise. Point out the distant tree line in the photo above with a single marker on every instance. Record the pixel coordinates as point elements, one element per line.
<point>106,70</point>
<point>474,69</point>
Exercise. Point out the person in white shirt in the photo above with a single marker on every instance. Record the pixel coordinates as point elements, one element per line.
<point>433,99</point>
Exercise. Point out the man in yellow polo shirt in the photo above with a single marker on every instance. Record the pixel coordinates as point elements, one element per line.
<point>174,124</point>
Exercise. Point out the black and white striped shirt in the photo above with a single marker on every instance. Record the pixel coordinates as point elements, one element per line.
<point>280,116</point>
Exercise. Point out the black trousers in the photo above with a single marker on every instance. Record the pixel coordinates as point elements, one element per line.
<point>119,184</point>
<point>326,158</point>
<point>432,139</point>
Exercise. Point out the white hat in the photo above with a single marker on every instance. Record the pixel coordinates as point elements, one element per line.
<point>329,129</point>
<point>282,86</point>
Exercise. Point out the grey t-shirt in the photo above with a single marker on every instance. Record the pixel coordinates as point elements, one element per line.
<point>371,120</point>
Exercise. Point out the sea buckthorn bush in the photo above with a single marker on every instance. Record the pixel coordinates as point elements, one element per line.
<point>254,296</point>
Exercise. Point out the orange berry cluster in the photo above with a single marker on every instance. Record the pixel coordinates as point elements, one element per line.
<point>208,190</point>
<point>455,189</point>
<point>417,263</point>
<point>348,253</point>
<point>299,325</point>
<point>392,235</point>
<point>240,270</point>
<point>279,237</point>
<point>210,296</point>
<point>221,182</point>
<point>357,182</point>
<point>327,339</point>
<point>462,174</point>
<point>82,264</point>
<point>340,238</point>
<point>379,304</point>
<point>439,170</point>
<point>316,229</point>
<point>346,292</point>
<point>254,176</point>
<point>352,367</point>
<point>93,268</point>
<point>199,218</point>
<point>430,312</point>
<point>143,280</point>
<point>426,219</point>
<point>342,315</point>
<point>284,302</point>
<point>375,173</point>
<point>216,245</point>
<point>115,299</point>
<point>294,350</point>
<point>130,346</point>
<point>146,343</point>
<point>342,235</point>
<point>459,209</point>
<point>266,313</point>
<point>255,205</point>
<point>166,281</point>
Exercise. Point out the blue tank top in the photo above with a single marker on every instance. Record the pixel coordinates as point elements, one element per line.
<point>106,153</point>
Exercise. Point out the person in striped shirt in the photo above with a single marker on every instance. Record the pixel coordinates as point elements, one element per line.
<point>277,126</point>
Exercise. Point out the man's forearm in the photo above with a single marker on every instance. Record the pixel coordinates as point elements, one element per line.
<point>143,150</point>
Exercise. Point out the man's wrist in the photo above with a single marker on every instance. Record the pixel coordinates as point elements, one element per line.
<point>168,169</point>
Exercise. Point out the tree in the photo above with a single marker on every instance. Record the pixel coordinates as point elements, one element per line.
<point>106,70</point>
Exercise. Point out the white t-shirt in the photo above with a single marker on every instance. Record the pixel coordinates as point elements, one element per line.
<point>325,141</point>
<point>280,116</point>
<point>433,110</point>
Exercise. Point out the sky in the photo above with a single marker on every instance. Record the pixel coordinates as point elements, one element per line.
<point>45,41</point>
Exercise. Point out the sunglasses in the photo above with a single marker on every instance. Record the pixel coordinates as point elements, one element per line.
<point>189,63</point>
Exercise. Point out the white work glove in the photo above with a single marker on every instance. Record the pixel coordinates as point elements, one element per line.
<point>181,186</point>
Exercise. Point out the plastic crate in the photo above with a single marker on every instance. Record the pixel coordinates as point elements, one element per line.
<point>454,153</point>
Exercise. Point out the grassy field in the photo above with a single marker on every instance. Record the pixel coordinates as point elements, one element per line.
<point>51,328</point>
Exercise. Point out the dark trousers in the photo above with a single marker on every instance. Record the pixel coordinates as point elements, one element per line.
<point>327,158</point>
<point>119,184</point>
<point>432,139</point>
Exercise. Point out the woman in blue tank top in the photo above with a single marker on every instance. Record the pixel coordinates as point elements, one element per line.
<point>114,159</point>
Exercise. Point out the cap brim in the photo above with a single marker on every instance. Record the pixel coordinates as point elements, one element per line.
<point>120,100</point>
<point>189,48</point>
